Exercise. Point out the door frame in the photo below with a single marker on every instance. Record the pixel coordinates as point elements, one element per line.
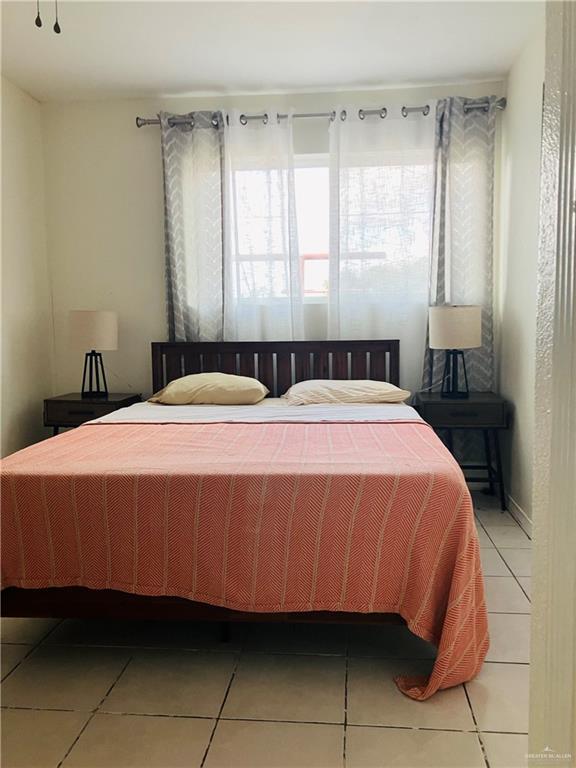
<point>552,738</point>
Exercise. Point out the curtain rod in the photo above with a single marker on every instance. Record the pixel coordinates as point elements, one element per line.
<point>362,113</point>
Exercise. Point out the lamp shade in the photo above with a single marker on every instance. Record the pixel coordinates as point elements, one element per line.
<point>455,327</point>
<point>94,329</point>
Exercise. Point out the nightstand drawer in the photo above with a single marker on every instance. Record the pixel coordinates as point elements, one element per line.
<point>64,414</point>
<point>455,414</point>
<point>73,409</point>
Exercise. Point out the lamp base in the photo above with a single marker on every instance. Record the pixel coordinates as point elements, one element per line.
<point>93,377</point>
<point>450,384</point>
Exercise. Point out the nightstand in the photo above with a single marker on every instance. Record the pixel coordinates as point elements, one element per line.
<point>72,410</point>
<point>483,411</point>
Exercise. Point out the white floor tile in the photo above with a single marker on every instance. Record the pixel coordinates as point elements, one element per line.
<point>11,655</point>
<point>492,563</point>
<point>388,641</point>
<point>507,536</point>
<point>172,683</point>
<point>406,748</point>
<point>519,560</point>
<point>499,697</point>
<point>301,688</point>
<point>374,699</point>
<point>494,516</point>
<point>509,637</point>
<point>506,750</point>
<point>504,595</point>
<point>486,501</point>
<point>485,542</point>
<point>526,584</point>
<point>27,631</point>
<point>38,739</point>
<point>276,745</point>
<point>118,741</point>
<point>63,678</point>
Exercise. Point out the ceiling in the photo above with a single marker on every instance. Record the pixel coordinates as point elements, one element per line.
<point>140,49</point>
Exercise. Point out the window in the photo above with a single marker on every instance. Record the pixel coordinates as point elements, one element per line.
<point>385,219</point>
<point>384,228</point>
<point>312,212</point>
<point>260,264</point>
<point>381,238</point>
<point>259,198</point>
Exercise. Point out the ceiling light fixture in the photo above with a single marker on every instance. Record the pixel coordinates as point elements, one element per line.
<point>56,25</point>
<point>38,19</point>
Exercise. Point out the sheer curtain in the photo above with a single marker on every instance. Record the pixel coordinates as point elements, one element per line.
<point>381,174</point>
<point>192,164</point>
<point>263,295</point>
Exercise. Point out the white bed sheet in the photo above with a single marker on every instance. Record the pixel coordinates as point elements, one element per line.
<point>269,410</point>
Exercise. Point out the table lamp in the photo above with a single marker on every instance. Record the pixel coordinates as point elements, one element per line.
<point>94,330</point>
<point>454,328</point>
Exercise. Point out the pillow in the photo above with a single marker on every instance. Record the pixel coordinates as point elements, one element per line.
<point>337,391</point>
<point>211,389</point>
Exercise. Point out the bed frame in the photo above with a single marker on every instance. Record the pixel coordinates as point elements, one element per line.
<point>278,365</point>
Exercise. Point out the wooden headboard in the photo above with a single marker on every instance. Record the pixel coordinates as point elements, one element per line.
<point>278,364</point>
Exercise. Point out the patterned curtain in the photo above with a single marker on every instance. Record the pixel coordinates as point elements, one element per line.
<point>192,158</point>
<point>462,236</point>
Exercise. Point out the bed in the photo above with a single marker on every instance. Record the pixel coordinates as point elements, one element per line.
<point>334,513</point>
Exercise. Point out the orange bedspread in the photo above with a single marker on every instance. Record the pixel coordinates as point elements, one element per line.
<point>260,517</point>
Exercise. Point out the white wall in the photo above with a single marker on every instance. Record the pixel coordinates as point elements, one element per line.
<point>26,303</point>
<point>104,211</point>
<point>521,129</point>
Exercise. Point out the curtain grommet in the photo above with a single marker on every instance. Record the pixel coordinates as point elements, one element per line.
<point>363,113</point>
<point>343,115</point>
<point>265,118</point>
<point>425,110</point>
<point>243,120</point>
<point>332,115</point>
<point>184,126</point>
<point>472,105</point>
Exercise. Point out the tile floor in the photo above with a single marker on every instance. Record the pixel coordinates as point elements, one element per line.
<point>149,695</point>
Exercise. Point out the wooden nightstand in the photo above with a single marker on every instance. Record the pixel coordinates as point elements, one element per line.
<point>72,410</point>
<point>483,411</point>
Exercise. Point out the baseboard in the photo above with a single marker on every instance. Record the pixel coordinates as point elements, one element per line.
<point>520,516</point>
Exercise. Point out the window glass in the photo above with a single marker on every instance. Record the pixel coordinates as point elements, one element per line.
<point>312,211</point>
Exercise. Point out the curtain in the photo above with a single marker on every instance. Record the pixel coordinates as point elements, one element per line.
<point>400,189</point>
<point>192,164</point>
<point>381,182</point>
<point>263,296</point>
<point>461,266</point>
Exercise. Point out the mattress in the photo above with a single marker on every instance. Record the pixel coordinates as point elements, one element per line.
<point>155,413</point>
<point>265,509</point>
